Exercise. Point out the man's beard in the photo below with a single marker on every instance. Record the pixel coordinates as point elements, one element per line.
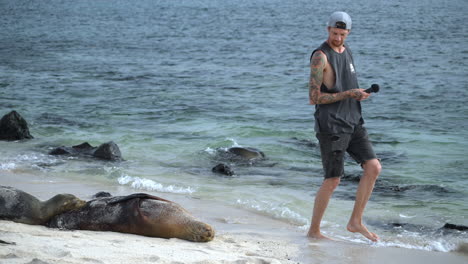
<point>337,43</point>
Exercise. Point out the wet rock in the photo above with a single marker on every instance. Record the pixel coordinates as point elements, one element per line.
<point>83,149</point>
<point>306,142</point>
<point>387,189</point>
<point>390,157</point>
<point>6,242</point>
<point>14,127</point>
<point>37,261</point>
<point>223,169</point>
<point>356,177</point>
<point>107,151</point>
<point>455,227</point>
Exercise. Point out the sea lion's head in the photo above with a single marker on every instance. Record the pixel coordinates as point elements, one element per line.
<point>66,202</point>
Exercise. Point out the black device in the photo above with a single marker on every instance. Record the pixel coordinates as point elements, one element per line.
<point>373,89</point>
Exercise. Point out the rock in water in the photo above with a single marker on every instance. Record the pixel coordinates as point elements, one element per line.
<point>108,151</point>
<point>455,227</point>
<point>14,127</point>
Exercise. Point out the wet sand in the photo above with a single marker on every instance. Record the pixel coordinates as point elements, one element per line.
<point>241,237</point>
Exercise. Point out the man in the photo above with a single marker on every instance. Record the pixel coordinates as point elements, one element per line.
<point>333,89</point>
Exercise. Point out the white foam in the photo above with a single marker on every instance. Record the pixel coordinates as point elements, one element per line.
<point>234,143</point>
<point>7,166</point>
<point>406,216</point>
<point>150,185</point>
<point>434,245</point>
<point>210,151</point>
<point>276,210</point>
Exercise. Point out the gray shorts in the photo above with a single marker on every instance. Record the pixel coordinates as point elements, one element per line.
<point>334,146</point>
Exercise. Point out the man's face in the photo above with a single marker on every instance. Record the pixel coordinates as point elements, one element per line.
<point>337,36</point>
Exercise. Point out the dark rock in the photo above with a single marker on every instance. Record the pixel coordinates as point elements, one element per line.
<point>14,127</point>
<point>7,243</point>
<point>60,151</point>
<point>106,151</point>
<point>223,169</point>
<point>356,177</point>
<point>306,142</point>
<point>455,227</point>
<point>37,261</point>
<point>83,146</point>
<point>83,149</point>
<point>10,255</point>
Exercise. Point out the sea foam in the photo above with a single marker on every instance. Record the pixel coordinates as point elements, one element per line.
<point>150,185</point>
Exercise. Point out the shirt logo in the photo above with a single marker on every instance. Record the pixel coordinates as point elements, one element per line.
<point>351,66</point>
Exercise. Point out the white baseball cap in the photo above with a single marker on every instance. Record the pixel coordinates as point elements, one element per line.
<point>340,19</point>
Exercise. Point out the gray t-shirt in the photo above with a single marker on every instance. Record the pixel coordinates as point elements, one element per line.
<point>342,116</point>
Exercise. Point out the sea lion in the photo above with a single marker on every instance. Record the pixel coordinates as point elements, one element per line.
<point>21,207</point>
<point>140,214</point>
<point>223,169</point>
<point>247,152</point>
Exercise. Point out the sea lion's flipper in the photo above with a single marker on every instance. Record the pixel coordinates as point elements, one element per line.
<point>120,199</point>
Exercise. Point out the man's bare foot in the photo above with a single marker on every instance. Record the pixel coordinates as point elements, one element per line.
<point>360,228</point>
<point>317,236</point>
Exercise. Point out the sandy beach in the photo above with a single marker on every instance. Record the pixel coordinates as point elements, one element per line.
<point>241,237</point>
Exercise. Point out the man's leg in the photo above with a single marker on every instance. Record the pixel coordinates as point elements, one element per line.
<point>372,170</point>
<point>321,201</point>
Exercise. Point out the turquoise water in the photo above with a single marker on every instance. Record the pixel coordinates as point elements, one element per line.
<point>173,82</point>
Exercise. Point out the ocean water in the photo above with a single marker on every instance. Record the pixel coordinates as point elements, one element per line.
<point>174,83</point>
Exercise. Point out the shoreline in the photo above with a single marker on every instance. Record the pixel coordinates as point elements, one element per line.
<point>241,237</point>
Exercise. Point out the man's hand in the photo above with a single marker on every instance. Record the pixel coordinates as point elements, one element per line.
<point>358,94</point>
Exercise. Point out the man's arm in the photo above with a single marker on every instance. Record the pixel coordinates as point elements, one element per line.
<point>317,68</point>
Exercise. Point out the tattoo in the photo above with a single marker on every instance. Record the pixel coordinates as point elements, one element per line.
<point>317,67</point>
<point>355,94</point>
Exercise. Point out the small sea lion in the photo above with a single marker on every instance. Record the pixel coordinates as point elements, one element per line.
<point>223,169</point>
<point>247,152</point>
<point>140,214</point>
<point>21,207</point>
<point>101,194</point>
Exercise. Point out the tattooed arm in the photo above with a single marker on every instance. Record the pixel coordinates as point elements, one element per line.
<point>318,68</point>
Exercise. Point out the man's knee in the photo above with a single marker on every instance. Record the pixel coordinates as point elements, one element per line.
<point>331,183</point>
<point>372,167</point>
